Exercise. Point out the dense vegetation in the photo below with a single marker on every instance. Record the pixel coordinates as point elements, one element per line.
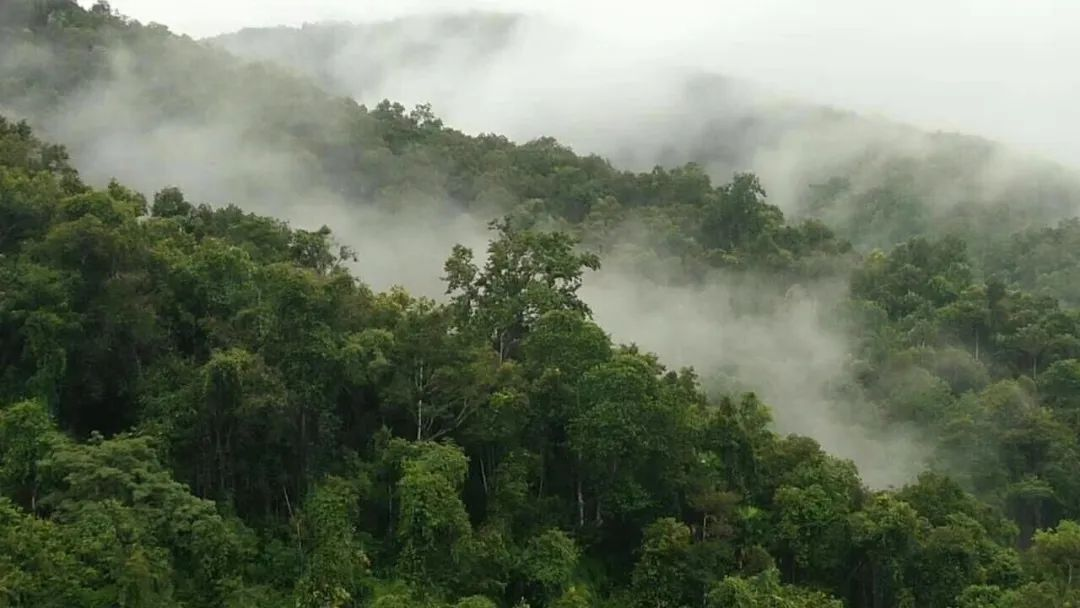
<point>202,407</point>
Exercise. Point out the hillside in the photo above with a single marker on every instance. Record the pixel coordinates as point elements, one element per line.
<point>876,182</point>
<point>209,399</point>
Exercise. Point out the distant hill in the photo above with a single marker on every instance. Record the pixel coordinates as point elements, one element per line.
<point>361,59</point>
<point>875,181</point>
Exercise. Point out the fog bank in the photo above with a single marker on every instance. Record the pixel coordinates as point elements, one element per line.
<point>994,67</point>
<point>789,355</point>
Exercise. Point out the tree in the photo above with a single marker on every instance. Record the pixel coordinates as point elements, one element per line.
<point>170,202</point>
<point>27,436</point>
<point>240,403</point>
<point>432,519</point>
<point>885,536</point>
<point>621,424</point>
<point>440,378</point>
<point>132,535</point>
<point>1055,557</point>
<point>1059,389</point>
<point>954,556</point>
<point>526,275</point>
<point>547,564</point>
<point>765,591</point>
<point>812,530</point>
<point>660,578</point>
<point>336,568</point>
<point>969,318</point>
<point>739,217</point>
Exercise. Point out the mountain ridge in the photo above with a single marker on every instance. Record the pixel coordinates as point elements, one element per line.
<point>722,124</point>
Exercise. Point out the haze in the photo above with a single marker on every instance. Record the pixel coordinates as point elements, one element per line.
<point>608,90</point>
<point>996,68</point>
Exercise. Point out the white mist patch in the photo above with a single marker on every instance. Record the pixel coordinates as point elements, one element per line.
<point>219,156</point>
<point>788,356</point>
<point>405,248</point>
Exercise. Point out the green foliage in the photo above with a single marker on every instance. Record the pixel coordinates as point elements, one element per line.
<point>203,408</point>
<point>475,601</point>
<point>765,591</point>
<point>433,522</point>
<point>26,437</point>
<point>336,566</point>
<point>1055,556</point>
<point>549,560</point>
<point>527,274</point>
<point>660,577</point>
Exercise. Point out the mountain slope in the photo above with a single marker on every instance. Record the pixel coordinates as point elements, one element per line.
<point>204,407</point>
<point>854,172</point>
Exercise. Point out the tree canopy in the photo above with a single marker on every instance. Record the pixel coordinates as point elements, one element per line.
<point>205,407</point>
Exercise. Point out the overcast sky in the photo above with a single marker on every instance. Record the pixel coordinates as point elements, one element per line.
<point>1006,69</point>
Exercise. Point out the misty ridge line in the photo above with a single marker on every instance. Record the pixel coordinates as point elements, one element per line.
<point>955,67</point>
<point>528,77</point>
<point>790,355</point>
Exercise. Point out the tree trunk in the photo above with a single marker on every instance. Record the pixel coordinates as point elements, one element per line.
<point>419,419</point>
<point>419,382</point>
<point>483,475</point>
<point>302,472</point>
<point>390,509</point>
<point>580,505</point>
<point>875,577</point>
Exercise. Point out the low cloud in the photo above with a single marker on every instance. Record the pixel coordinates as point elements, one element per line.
<point>739,334</point>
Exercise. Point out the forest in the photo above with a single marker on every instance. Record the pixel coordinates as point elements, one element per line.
<point>202,406</point>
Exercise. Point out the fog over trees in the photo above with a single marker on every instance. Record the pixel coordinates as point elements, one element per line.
<point>448,310</point>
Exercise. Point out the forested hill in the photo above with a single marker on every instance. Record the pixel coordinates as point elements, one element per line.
<point>201,406</point>
<point>876,182</point>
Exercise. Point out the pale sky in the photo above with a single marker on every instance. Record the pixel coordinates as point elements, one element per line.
<point>1005,69</point>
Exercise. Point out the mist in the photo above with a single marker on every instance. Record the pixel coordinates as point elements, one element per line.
<point>646,100</point>
<point>216,156</point>
<point>640,95</point>
<point>995,67</point>
<point>787,352</point>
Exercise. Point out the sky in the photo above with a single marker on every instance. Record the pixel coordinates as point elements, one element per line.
<point>1004,69</point>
